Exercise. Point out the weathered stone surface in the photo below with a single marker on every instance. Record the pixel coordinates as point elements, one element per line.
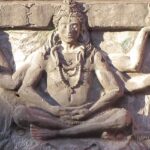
<point>20,44</point>
<point>23,45</point>
<point>109,1</point>
<point>100,14</point>
<point>12,15</point>
<point>117,15</point>
<point>25,15</point>
<point>26,42</point>
<point>41,15</point>
<point>26,143</point>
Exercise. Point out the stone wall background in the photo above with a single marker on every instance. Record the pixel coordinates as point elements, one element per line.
<point>102,14</point>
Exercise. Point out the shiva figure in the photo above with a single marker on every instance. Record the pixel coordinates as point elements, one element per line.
<point>70,67</point>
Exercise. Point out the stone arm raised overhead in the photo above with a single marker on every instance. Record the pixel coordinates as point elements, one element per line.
<point>132,61</point>
<point>137,51</point>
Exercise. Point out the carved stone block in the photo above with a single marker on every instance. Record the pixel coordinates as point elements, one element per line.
<point>41,15</point>
<point>125,15</point>
<point>117,15</point>
<point>13,15</point>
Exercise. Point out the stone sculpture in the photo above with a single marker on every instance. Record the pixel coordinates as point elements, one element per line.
<point>70,65</point>
<point>132,63</point>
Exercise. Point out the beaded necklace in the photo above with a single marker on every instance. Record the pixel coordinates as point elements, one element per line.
<point>70,73</point>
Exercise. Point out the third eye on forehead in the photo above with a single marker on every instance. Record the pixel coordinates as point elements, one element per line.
<point>69,20</point>
<point>70,25</point>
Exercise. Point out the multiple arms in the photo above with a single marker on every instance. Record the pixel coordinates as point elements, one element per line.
<point>106,78</point>
<point>132,61</point>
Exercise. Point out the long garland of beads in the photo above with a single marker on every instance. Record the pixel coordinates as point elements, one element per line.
<point>64,70</point>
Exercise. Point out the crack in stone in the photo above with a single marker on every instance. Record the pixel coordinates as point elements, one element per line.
<point>28,13</point>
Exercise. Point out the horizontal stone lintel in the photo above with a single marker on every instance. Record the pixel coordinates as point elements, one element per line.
<point>114,14</point>
<point>87,1</point>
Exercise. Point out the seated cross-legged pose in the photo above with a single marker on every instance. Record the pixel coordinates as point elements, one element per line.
<point>70,68</point>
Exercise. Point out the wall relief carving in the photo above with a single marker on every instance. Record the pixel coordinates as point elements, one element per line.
<point>73,84</point>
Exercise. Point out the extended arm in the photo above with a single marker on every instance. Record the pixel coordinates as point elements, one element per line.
<point>11,81</point>
<point>109,83</point>
<point>6,75</point>
<point>136,53</point>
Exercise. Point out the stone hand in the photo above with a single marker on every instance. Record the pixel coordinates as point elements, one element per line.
<point>76,113</point>
<point>59,111</point>
<point>67,119</point>
<point>71,113</point>
<point>79,114</point>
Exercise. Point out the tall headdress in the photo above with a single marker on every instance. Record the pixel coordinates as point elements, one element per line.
<point>71,8</point>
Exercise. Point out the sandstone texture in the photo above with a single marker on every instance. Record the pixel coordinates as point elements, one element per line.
<point>38,14</point>
<point>34,18</point>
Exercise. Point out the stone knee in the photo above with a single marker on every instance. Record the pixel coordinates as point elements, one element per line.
<point>21,116</point>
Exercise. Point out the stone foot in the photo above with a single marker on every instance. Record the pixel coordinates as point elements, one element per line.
<point>42,134</point>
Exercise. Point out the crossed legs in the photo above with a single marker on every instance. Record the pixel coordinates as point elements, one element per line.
<point>45,126</point>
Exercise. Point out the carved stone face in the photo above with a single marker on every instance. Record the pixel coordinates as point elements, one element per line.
<point>69,29</point>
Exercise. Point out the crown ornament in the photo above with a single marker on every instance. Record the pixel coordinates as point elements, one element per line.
<point>69,8</point>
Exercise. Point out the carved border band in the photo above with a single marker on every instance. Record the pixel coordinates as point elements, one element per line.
<point>37,14</point>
